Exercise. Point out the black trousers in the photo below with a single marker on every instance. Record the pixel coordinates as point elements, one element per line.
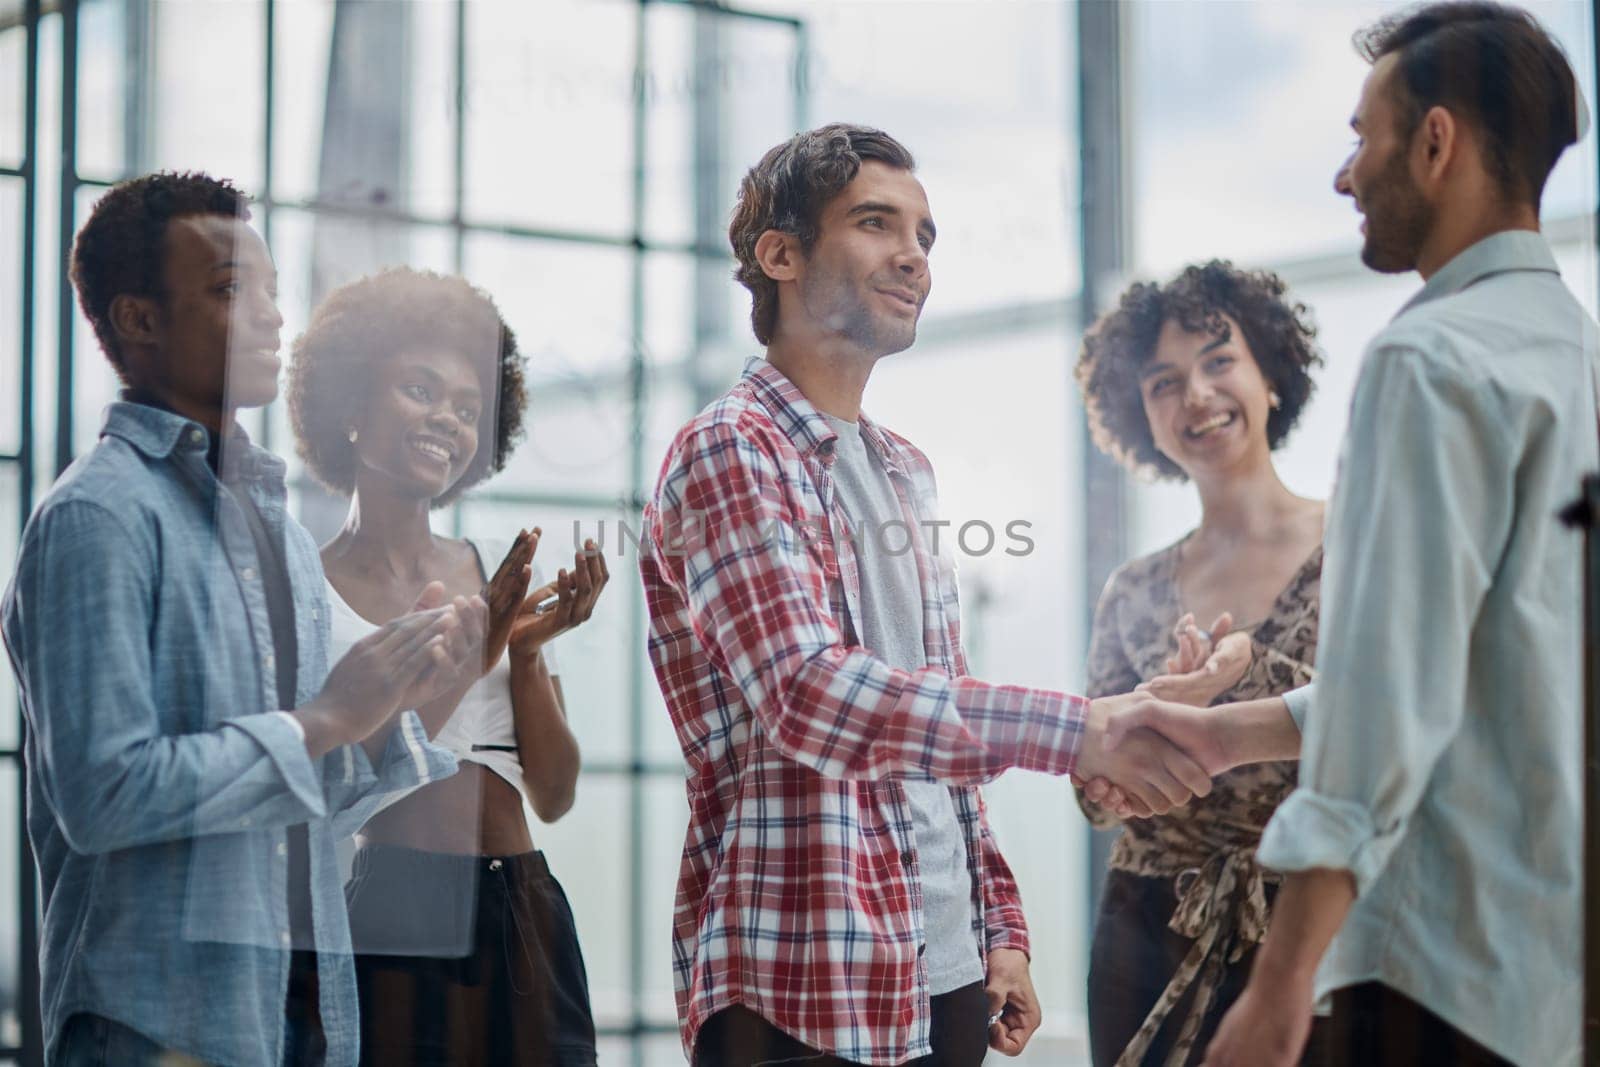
<point>466,961</point>
<point>1375,1026</point>
<point>1132,958</point>
<point>738,1037</point>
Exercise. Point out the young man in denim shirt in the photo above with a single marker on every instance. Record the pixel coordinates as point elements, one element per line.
<point>190,757</point>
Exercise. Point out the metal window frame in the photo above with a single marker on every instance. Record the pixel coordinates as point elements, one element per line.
<point>1105,241</point>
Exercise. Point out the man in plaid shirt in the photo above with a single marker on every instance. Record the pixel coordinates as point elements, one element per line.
<point>841,898</point>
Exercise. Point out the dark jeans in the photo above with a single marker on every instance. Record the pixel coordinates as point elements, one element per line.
<point>738,1037</point>
<point>95,1041</point>
<point>1375,1026</point>
<point>1132,958</point>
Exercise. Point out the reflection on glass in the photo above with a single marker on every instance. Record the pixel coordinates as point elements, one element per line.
<point>720,90</point>
<point>550,114</point>
<point>302,43</point>
<point>571,300</point>
<point>407,389</point>
<point>207,78</point>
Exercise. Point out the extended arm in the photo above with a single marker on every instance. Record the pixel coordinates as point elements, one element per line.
<point>755,589</point>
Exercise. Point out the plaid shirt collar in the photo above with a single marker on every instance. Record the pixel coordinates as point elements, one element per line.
<point>805,426</point>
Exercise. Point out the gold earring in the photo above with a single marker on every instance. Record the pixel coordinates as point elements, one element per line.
<point>1274,401</point>
<point>352,435</point>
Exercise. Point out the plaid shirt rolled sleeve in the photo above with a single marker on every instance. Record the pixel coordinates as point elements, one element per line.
<point>797,896</point>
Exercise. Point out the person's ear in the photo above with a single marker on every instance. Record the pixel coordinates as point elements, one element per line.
<point>135,319</point>
<point>779,255</point>
<point>1437,143</point>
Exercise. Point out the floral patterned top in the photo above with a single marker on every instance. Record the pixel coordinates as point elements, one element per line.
<point>1208,847</point>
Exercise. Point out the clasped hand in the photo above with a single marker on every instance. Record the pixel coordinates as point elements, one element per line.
<point>1145,749</point>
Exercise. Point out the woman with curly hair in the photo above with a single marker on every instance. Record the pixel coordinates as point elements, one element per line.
<point>1199,379</point>
<point>405,390</point>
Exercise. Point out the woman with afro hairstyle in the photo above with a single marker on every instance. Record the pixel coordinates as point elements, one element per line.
<point>405,390</point>
<point>1199,379</point>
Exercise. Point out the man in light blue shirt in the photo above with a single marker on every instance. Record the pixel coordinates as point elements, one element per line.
<point>1433,875</point>
<point>190,755</point>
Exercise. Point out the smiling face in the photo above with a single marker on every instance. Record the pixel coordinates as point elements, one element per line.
<point>214,338</point>
<point>1206,400</point>
<point>866,277</point>
<point>419,431</point>
<point>1377,176</point>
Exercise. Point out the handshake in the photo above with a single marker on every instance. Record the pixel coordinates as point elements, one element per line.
<point>1157,747</point>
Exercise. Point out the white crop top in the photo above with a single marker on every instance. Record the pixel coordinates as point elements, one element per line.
<point>483,717</point>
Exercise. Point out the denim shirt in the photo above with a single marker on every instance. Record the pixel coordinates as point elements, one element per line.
<point>161,774</point>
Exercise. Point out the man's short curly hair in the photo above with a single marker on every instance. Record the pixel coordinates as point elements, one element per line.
<point>787,191</point>
<point>1116,349</point>
<point>376,318</point>
<point>121,249</point>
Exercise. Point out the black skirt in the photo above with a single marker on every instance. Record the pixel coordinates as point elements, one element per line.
<point>466,960</point>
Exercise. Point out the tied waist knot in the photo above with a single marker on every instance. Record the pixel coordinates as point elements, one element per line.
<point>1222,907</point>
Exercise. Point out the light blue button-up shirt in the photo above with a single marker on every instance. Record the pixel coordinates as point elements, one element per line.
<point>1442,749</point>
<point>161,781</point>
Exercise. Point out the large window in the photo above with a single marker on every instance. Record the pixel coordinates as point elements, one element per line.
<point>579,159</point>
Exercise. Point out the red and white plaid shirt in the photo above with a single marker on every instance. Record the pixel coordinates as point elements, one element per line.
<point>798,895</point>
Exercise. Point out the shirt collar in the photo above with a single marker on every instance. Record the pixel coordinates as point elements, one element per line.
<point>804,425</point>
<point>1508,250</point>
<point>799,420</point>
<point>158,433</point>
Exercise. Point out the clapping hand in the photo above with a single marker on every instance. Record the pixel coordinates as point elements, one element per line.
<point>459,662</point>
<point>539,620</point>
<point>505,593</point>
<point>402,664</point>
<point>1206,664</point>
